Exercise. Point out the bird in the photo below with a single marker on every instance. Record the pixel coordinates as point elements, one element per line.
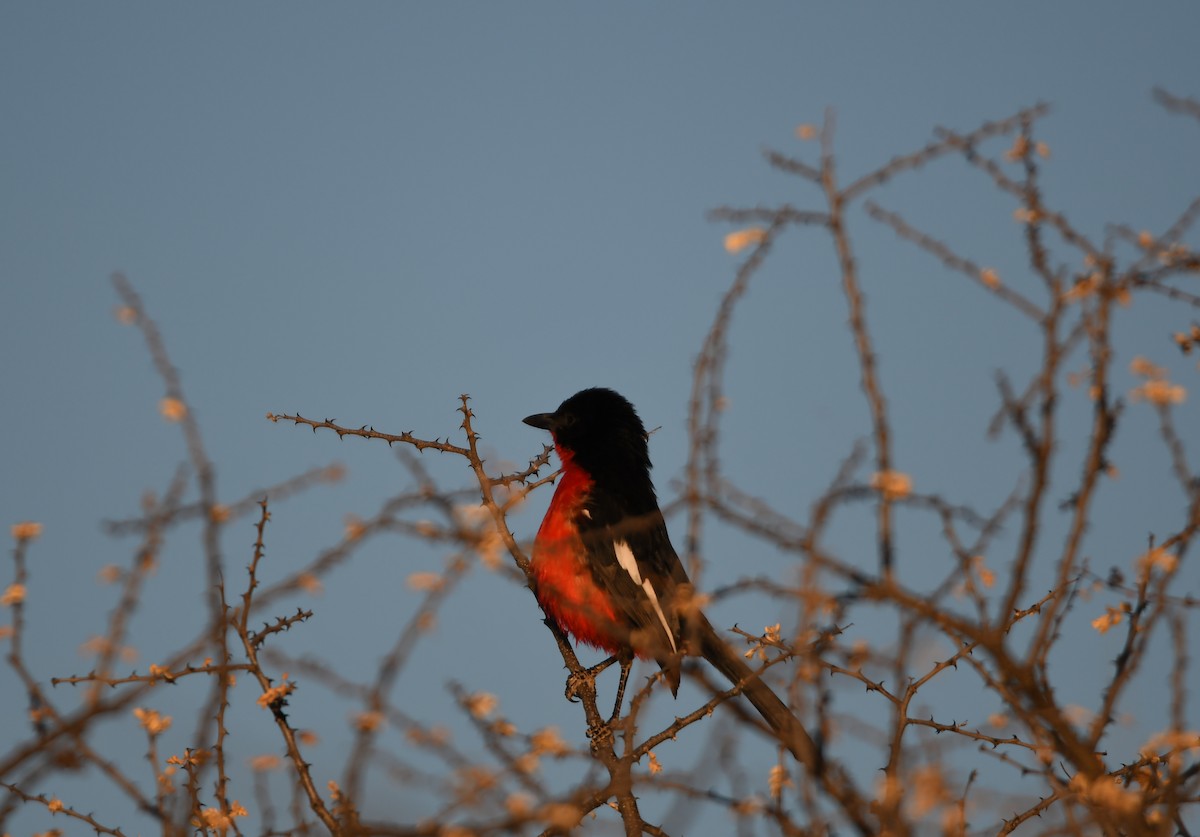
<point>604,570</point>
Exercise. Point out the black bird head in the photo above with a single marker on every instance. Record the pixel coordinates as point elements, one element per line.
<point>601,430</point>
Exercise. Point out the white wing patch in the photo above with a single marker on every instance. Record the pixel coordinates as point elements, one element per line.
<point>629,564</point>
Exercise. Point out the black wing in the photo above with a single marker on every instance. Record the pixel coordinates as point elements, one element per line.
<point>632,558</point>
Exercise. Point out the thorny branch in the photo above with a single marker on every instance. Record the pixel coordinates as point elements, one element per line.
<point>996,600</point>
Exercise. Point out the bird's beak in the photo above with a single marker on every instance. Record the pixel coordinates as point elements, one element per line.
<point>543,421</point>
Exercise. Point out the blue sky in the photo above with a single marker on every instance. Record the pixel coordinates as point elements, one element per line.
<point>359,212</point>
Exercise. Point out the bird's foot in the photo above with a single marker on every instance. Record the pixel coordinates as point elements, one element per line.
<point>579,683</point>
<point>602,734</point>
<point>584,681</point>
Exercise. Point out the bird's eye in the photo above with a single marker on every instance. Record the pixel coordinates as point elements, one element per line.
<point>566,420</point>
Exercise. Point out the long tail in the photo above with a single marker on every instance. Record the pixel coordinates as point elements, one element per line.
<point>790,731</point>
